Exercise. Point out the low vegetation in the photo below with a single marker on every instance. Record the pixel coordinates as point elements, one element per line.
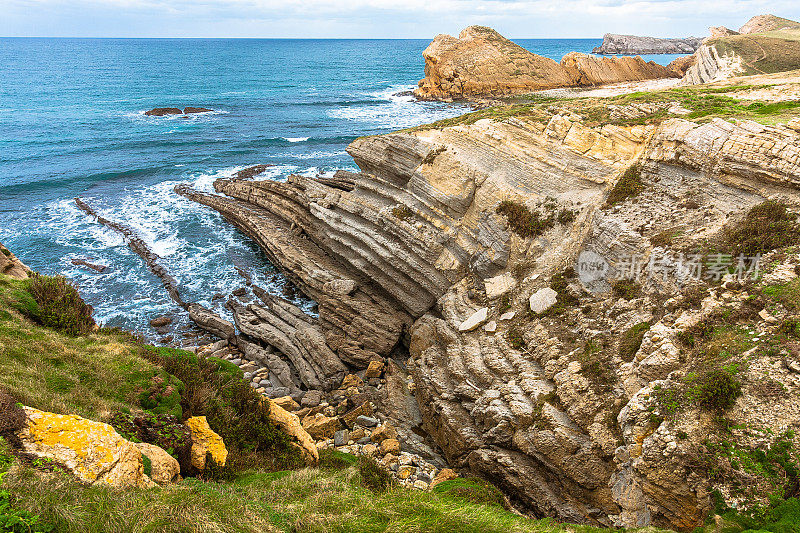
<point>631,340</point>
<point>529,223</point>
<point>766,227</point>
<point>629,185</point>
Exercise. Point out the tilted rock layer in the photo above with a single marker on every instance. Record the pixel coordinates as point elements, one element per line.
<point>483,63</point>
<point>401,254</point>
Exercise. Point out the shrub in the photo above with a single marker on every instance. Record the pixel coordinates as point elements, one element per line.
<point>373,475</point>
<point>565,299</point>
<point>629,185</point>
<point>523,221</point>
<point>631,340</point>
<point>162,395</point>
<point>472,489</point>
<point>767,226</point>
<point>164,431</point>
<point>514,336</point>
<point>715,390</point>
<point>790,327</point>
<point>12,417</point>
<point>233,409</point>
<point>58,305</point>
<point>626,288</point>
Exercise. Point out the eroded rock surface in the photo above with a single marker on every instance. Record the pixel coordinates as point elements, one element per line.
<point>483,63</point>
<point>634,44</point>
<point>402,253</point>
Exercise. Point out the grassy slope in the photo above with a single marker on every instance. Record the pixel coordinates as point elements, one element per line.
<point>704,101</point>
<point>765,53</point>
<point>96,375</point>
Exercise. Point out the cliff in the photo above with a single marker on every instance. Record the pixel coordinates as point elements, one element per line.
<point>452,254</point>
<point>764,45</point>
<point>633,44</point>
<point>483,63</point>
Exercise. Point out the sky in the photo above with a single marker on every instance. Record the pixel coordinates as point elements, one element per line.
<point>421,19</point>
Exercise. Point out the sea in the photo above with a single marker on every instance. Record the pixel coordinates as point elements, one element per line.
<point>72,124</point>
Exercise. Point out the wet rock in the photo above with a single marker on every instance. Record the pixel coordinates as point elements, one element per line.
<point>164,111</point>
<point>193,110</point>
<point>161,321</point>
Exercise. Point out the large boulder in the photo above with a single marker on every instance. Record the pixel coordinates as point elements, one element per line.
<point>92,451</point>
<point>163,467</point>
<point>291,425</point>
<point>205,443</point>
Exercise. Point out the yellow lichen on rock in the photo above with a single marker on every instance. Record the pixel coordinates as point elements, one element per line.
<point>205,441</point>
<point>91,450</point>
<point>290,423</point>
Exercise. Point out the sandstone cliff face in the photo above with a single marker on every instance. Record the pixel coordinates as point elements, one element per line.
<point>11,266</point>
<point>483,63</point>
<point>634,44</point>
<point>402,253</point>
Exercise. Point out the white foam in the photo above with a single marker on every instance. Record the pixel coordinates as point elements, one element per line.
<point>396,111</point>
<point>295,139</point>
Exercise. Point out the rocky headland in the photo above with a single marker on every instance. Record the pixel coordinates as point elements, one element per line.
<point>634,44</point>
<point>766,44</point>
<point>449,261</point>
<point>481,63</point>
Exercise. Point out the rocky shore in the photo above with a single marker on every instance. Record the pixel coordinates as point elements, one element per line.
<point>482,63</point>
<point>497,360</point>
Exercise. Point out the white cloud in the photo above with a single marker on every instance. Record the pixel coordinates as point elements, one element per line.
<point>376,18</point>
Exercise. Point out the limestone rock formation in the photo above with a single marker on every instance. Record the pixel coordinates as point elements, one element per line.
<point>634,44</point>
<point>766,44</point>
<point>92,451</point>
<point>11,266</point>
<point>483,63</point>
<point>549,407</point>
<point>206,444</point>
<point>163,467</point>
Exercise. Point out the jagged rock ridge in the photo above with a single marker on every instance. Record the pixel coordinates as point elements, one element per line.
<point>483,63</point>
<point>634,44</point>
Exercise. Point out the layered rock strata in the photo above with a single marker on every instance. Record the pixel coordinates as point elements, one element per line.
<point>482,63</point>
<point>634,44</point>
<point>404,252</point>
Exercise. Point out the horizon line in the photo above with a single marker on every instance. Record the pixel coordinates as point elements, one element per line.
<point>275,38</point>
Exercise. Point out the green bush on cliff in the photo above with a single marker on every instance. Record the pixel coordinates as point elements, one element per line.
<point>58,305</point>
<point>715,389</point>
<point>523,221</point>
<point>233,409</point>
<point>766,227</point>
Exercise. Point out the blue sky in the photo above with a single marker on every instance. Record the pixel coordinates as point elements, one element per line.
<point>376,18</point>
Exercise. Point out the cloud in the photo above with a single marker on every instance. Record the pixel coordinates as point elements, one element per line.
<point>375,18</point>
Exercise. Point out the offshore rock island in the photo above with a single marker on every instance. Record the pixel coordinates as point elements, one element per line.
<point>591,303</point>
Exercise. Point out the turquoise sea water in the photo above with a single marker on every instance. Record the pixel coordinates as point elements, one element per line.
<point>72,124</point>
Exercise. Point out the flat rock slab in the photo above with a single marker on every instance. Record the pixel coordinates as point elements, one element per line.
<point>477,318</point>
<point>542,300</point>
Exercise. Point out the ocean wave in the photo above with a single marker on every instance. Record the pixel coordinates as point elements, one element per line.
<point>296,139</point>
<point>396,110</point>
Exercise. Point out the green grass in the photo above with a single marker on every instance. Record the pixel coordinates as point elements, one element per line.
<point>766,227</point>
<point>91,375</point>
<point>309,499</point>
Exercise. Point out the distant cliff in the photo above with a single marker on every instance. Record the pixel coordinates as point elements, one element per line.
<point>766,44</point>
<point>482,63</point>
<point>634,44</point>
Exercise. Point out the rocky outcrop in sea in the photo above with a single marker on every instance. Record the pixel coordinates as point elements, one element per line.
<point>635,44</point>
<point>482,63</point>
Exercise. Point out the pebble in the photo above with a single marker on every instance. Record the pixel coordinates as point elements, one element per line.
<point>367,421</point>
